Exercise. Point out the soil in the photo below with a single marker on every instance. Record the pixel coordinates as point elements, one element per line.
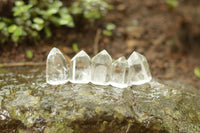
<point>168,37</point>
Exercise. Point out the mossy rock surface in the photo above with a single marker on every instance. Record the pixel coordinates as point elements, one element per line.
<point>28,104</point>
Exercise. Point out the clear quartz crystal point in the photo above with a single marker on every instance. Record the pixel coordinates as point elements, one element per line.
<point>139,72</point>
<point>119,73</point>
<point>80,68</point>
<point>101,67</point>
<point>56,68</point>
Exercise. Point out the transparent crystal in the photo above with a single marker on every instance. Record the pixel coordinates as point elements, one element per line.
<point>56,68</point>
<point>119,73</point>
<point>80,68</point>
<point>101,67</point>
<point>139,72</point>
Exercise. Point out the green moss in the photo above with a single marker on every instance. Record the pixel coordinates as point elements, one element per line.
<point>3,70</point>
<point>58,128</point>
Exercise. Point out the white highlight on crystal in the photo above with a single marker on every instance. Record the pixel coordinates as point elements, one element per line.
<point>101,67</point>
<point>139,72</point>
<point>56,68</point>
<point>80,68</point>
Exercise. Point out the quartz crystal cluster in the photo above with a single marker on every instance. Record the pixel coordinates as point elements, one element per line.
<point>100,70</point>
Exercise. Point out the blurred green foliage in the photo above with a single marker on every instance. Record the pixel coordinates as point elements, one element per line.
<point>197,72</point>
<point>75,47</point>
<point>30,19</point>
<point>108,29</point>
<point>91,9</point>
<point>172,4</point>
<point>29,54</point>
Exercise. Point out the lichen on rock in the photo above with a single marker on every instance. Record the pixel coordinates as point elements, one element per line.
<point>29,104</point>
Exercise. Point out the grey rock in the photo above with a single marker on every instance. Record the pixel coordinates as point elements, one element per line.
<point>30,105</point>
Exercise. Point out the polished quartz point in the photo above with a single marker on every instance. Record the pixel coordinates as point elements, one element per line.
<point>139,72</point>
<point>80,68</point>
<point>119,73</point>
<point>56,68</point>
<point>101,68</point>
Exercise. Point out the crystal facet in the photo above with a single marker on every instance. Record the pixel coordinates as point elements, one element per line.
<point>80,68</point>
<point>139,72</point>
<point>56,68</point>
<point>101,67</point>
<point>119,73</point>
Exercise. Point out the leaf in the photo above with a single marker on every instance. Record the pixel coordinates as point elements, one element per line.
<point>57,4</point>
<point>107,32</point>
<point>65,21</point>
<point>48,32</point>
<point>26,17</point>
<point>7,20</point>
<point>197,72</point>
<point>16,12</point>
<point>5,32</point>
<point>27,7</point>
<point>92,15</point>
<point>39,21</point>
<point>172,3</point>
<point>110,26</point>
<point>15,38</point>
<point>2,25</point>
<point>35,34</point>
<point>29,54</point>
<point>18,31</point>
<point>28,23</point>
<point>19,10</point>
<point>12,28</point>
<point>63,11</point>
<point>105,123</point>
<point>52,11</point>
<point>37,27</point>
<point>76,8</point>
<point>19,3</point>
<point>33,2</point>
<point>75,47</point>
